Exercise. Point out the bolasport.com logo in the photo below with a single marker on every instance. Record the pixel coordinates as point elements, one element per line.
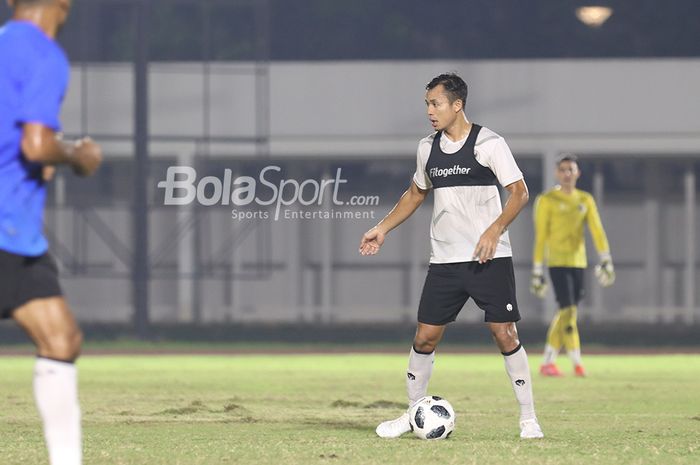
<point>277,197</point>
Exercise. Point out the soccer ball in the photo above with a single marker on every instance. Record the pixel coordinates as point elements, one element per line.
<point>432,417</point>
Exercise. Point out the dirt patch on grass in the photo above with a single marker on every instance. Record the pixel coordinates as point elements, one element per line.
<point>234,408</point>
<point>340,403</point>
<point>194,407</point>
<point>385,404</point>
<point>179,411</point>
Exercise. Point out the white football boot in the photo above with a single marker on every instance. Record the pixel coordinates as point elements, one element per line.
<point>394,428</point>
<point>530,429</point>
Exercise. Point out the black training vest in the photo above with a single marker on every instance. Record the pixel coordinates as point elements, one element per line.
<point>459,168</point>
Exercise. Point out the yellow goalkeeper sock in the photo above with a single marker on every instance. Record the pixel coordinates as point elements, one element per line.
<point>554,340</point>
<point>569,331</point>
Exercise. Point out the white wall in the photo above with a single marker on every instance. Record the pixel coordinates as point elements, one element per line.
<point>359,108</point>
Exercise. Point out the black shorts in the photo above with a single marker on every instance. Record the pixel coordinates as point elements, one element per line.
<point>26,278</point>
<point>448,286</point>
<point>568,285</point>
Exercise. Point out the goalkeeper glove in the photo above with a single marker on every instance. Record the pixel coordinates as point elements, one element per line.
<point>538,285</point>
<point>605,272</point>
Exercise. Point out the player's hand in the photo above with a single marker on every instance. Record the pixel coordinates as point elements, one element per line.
<point>371,241</point>
<point>486,247</point>
<point>48,172</point>
<point>605,272</point>
<point>87,157</point>
<point>538,285</point>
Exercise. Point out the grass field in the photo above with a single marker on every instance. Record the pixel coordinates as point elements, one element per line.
<point>322,409</point>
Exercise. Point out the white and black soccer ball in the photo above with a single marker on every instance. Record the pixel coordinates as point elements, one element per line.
<point>432,417</point>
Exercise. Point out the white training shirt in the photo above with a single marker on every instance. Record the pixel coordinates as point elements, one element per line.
<point>461,214</point>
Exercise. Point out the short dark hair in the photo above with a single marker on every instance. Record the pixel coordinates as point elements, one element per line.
<point>567,157</point>
<point>454,85</point>
<point>32,2</point>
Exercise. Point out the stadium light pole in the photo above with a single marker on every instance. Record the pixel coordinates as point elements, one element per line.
<point>689,188</point>
<point>140,261</point>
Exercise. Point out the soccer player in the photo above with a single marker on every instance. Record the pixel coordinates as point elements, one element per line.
<point>33,78</point>
<point>470,250</point>
<point>560,214</point>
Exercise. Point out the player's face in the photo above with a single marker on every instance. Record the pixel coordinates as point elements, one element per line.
<point>568,173</point>
<point>441,113</point>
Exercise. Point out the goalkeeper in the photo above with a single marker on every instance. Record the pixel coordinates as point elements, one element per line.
<point>560,214</point>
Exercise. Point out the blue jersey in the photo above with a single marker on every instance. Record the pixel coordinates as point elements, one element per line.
<point>34,75</point>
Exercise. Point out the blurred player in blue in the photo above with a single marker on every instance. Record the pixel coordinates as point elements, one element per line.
<point>34,74</point>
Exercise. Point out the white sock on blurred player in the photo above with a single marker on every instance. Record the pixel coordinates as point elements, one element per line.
<point>575,356</point>
<point>56,396</point>
<point>518,370</point>
<point>550,354</point>
<point>420,368</point>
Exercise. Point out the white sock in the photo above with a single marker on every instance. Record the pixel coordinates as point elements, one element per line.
<point>575,356</point>
<point>518,370</point>
<point>420,368</point>
<point>56,396</point>
<point>550,354</point>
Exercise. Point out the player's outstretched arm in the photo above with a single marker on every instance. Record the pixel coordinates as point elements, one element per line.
<point>41,144</point>
<point>486,247</point>
<point>409,202</point>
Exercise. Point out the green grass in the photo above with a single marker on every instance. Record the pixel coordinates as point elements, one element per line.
<point>322,409</point>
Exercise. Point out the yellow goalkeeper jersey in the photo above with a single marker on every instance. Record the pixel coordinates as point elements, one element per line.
<point>559,220</point>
